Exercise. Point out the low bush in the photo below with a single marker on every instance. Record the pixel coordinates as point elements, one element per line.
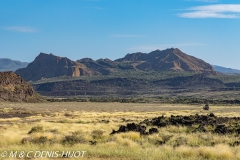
<point>73,139</point>
<point>97,134</point>
<point>36,129</point>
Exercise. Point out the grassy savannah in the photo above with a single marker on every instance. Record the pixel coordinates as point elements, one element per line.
<point>86,126</point>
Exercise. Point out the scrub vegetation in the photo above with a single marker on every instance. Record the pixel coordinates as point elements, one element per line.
<point>87,126</point>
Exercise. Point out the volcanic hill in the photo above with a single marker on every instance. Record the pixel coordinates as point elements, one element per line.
<point>49,65</point>
<point>14,88</point>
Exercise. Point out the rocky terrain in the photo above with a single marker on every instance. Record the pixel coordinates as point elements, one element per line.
<point>195,123</point>
<point>106,66</point>
<point>49,65</point>
<point>14,88</point>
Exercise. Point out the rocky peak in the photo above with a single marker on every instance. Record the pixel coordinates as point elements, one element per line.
<point>171,59</point>
<point>104,59</point>
<point>138,56</point>
<point>49,65</point>
<point>86,60</point>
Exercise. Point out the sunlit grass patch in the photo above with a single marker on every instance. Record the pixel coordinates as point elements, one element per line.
<point>220,151</point>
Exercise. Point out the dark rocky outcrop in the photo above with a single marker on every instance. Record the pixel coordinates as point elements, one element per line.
<point>206,107</point>
<point>14,88</point>
<point>220,125</point>
<point>135,128</point>
<point>49,65</point>
<point>195,123</point>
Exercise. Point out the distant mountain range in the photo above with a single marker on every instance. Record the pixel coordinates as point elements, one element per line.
<point>49,65</point>
<point>167,72</point>
<point>11,65</point>
<point>226,70</point>
<point>173,59</point>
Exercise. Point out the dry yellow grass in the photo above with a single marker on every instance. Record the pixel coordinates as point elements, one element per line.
<point>79,120</point>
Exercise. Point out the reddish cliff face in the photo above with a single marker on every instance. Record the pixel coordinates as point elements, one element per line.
<point>49,65</point>
<point>14,88</point>
<point>169,59</point>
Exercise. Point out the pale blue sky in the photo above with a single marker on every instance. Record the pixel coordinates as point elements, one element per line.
<point>207,29</point>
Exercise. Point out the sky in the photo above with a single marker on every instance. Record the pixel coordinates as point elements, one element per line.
<point>206,29</point>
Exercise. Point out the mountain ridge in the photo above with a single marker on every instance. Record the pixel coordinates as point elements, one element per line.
<point>169,59</point>
<point>172,59</point>
<point>226,70</point>
<point>7,64</point>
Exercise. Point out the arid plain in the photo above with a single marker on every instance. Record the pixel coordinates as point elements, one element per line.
<point>87,126</point>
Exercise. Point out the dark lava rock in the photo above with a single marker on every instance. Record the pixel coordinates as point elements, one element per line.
<point>221,129</point>
<point>131,127</point>
<point>153,130</point>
